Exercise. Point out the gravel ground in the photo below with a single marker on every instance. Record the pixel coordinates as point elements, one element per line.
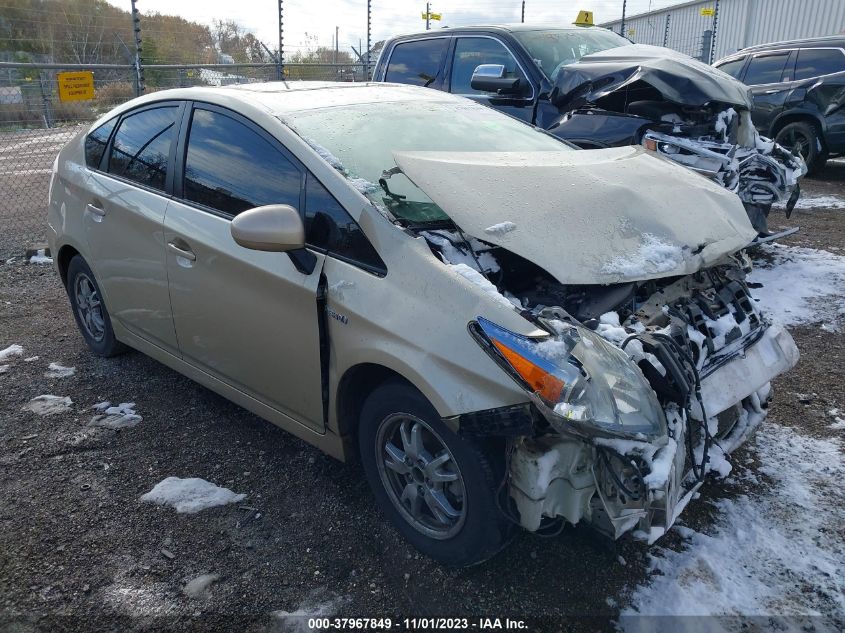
<point>79,551</point>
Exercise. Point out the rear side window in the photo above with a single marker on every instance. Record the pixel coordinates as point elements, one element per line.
<point>765,70</point>
<point>416,62</point>
<point>95,144</point>
<point>141,146</point>
<point>733,68</point>
<point>231,167</point>
<point>329,227</point>
<point>814,62</point>
<point>471,52</point>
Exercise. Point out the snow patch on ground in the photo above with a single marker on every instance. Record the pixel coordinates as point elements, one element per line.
<point>653,256</point>
<point>4,369</point>
<point>817,202</point>
<point>48,404</point>
<point>198,588</point>
<point>54,370</point>
<point>776,551</point>
<point>800,285</point>
<point>122,416</point>
<point>12,350</point>
<point>190,495</point>
<point>318,603</point>
<point>40,257</point>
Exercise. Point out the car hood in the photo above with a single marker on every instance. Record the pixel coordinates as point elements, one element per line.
<point>678,77</point>
<point>587,217</point>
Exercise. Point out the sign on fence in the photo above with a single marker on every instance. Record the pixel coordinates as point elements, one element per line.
<point>708,11</point>
<point>76,86</point>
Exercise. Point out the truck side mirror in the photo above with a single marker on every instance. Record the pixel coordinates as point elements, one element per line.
<point>491,78</point>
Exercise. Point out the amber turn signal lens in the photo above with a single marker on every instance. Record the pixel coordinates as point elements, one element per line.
<point>547,386</point>
<point>651,144</point>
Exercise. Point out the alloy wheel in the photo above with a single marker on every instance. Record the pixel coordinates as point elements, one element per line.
<point>421,476</point>
<point>89,307</point>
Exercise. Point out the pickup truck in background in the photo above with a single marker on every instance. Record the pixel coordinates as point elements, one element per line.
<point>596,89</point>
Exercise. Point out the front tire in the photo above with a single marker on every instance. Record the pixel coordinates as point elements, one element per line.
<point>89,310</point>
<point>437,488</point>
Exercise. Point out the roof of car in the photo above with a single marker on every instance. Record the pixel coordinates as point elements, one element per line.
<point>509,28</point>
<point>288,97</point>
<point>837,41</point>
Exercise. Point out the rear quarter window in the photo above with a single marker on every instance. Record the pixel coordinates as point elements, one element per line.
<point>815,62</point>
<point>95,144</point>
<point>733,68</point>
<point>416,62</point>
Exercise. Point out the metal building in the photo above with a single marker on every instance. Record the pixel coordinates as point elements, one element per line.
<point>689,27</point>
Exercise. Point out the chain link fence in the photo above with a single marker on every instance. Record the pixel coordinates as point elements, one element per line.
<point>35,123</point>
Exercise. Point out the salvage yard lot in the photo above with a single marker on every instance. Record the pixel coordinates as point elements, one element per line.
<point>80,550</point>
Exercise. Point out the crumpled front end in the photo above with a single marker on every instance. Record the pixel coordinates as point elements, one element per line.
<point>639,404</point>
<point>731,152</point>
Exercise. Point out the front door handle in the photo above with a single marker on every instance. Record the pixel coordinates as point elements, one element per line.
<point>95,210</point>
<point>181,249</point>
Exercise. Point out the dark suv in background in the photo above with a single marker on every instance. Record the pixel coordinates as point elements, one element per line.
<point>596,89</point>
<point>799,93</point>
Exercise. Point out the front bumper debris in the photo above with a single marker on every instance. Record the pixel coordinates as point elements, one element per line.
<point>621,485</point>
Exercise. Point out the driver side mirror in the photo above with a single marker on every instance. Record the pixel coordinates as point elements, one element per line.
<point>491,78</point>
<point>274,227</point>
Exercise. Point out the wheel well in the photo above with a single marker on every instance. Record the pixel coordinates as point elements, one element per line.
<point>66,253</point>
<point>356,384</point>
<point>795,118</point>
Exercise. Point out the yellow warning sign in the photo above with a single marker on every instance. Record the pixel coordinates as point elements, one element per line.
<point>585,18</point>
<point>432,16</point>
<point>708,11</point>
<point>76,86</point>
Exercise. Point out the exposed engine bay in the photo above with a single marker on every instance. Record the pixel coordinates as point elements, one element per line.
<point>700,347</point>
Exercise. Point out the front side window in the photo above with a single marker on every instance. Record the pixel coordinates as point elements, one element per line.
<point>330,228</point>
<point>471,52</point>
<point>766,69</point>
<point>141,147</point>
<point>95,143</point>
<point>815,62</point>
<point>231,168</point>
<point>416,62</point>
<point>733,68</point>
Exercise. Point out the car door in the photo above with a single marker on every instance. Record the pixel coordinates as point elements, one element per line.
<point>124,221</point>
<point>769,77</point>
<point>471,51</point>
<point>248,318</point>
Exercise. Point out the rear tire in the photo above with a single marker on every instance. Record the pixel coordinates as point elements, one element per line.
<point>805,139</point>
<point>89,310</point>
<point>437,488</point>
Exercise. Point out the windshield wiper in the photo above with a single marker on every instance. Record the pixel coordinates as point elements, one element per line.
<point>387,173</point>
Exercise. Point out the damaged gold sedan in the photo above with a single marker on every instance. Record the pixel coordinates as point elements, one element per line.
<point>504,330</point>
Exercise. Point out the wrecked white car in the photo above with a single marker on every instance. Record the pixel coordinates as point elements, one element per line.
<point>505,331</point>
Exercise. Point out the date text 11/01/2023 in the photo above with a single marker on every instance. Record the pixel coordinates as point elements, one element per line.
<point>417,624</point>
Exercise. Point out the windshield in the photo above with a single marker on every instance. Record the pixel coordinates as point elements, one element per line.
<point>552,50</point>
<point>359,141</point>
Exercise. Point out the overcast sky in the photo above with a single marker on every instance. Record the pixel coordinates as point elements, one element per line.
<point>318,18</point>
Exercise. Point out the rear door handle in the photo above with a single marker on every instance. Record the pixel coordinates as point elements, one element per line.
<point>95,210</point>
<point>181,249</point>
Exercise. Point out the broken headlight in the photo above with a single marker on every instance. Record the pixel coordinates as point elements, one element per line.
<point>581,383</point>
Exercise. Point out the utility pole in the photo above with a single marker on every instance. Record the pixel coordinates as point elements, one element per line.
<point>139,70</point>
<point>666,30</point>
<point>369,17</point>
<point>336,35</point>
<point>622,26</point>
<point>281,43</point>
<point>427,16</point>
<point>523,11</point>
